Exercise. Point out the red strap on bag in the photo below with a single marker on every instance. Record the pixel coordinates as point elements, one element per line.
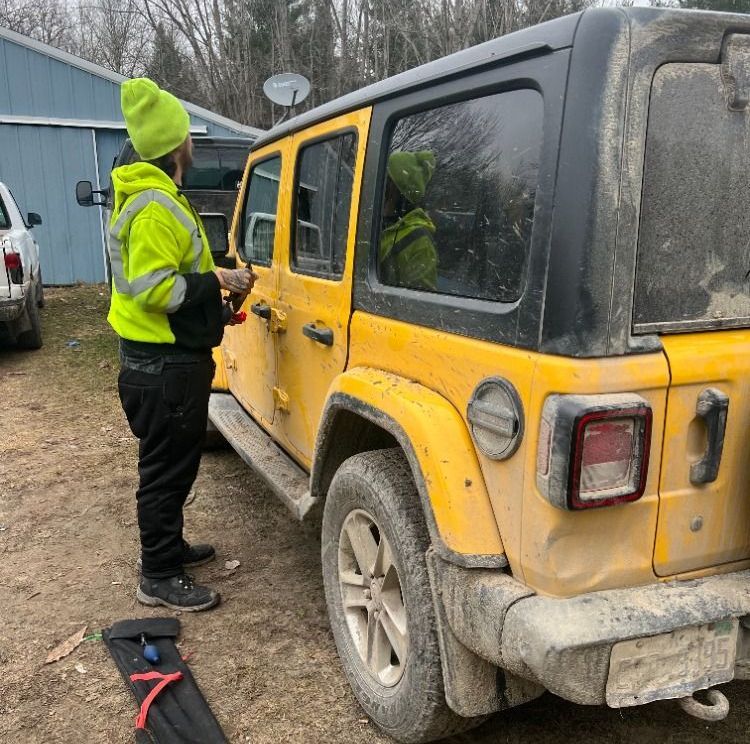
<point>165,679</point>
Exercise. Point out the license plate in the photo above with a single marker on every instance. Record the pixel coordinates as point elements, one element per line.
<point>671,665</point>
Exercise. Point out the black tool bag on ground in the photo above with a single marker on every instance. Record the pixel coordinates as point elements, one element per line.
<point>173,710</point>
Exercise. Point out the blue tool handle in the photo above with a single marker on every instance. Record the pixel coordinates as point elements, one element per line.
<point>151,654</point>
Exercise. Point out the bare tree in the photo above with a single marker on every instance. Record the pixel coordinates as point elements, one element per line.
<point>171,67</point>
<point>114,34</point>
<point>44,20</point>
<point>219,52</point>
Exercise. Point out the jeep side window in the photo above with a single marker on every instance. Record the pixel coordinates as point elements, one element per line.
<point>259,216</point>
<point>458,197</point>
<point>323,194</point>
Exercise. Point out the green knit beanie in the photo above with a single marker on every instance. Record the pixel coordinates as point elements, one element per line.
<point>411,172</point>
<point>157,122</point>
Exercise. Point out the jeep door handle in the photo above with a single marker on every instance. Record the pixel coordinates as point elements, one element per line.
<point>712,407</point>
<point>321,335</point>
<point>261,310</point>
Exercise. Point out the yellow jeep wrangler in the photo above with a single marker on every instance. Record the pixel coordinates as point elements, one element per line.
<point>500,343</point>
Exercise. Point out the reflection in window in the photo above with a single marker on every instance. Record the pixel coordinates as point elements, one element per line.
<point>458,200</point>
<point>259,218</point>
<point>323,201</point>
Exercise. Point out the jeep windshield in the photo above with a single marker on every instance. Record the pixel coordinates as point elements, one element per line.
<point>694,243</point>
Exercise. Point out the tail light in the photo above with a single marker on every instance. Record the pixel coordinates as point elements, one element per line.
<point>593,450</point>
<point>12,261</point>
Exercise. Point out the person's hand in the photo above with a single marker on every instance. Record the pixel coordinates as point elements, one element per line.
<point>240,281</point>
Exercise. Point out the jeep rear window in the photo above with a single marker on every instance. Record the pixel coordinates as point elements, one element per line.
<point>694,242</point>
<point>458,197</point>
<point>216,168</point>
<point>4,219</point>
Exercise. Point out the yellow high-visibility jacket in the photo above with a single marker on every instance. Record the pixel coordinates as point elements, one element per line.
<point>407,252</point>
<point>164,290</point>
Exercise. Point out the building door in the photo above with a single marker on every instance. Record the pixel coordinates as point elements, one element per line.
<point>41,165</point>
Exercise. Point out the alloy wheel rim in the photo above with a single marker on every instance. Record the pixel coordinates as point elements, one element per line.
<point>372,598</point>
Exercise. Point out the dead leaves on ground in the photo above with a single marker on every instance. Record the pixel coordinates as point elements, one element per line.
<point>66,647</point>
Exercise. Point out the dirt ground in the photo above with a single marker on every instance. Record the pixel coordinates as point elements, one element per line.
<point>265,659</point>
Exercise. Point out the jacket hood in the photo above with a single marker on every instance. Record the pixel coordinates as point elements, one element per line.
<point>130,180</point>
<point>411,172</point>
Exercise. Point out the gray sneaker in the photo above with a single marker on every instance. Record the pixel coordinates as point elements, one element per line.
<point>177,593</point>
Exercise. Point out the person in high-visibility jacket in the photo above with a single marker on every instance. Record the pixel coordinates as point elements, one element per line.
<point>166,307</point>
<point>407,254</point>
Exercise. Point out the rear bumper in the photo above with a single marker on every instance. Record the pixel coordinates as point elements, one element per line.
<point>565,645</point>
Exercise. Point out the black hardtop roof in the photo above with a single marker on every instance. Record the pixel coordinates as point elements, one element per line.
<point>545,37</point>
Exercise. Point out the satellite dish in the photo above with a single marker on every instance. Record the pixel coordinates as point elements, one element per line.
<point>287,89</point>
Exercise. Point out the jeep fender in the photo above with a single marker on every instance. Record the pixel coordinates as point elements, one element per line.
<point>437,444</point>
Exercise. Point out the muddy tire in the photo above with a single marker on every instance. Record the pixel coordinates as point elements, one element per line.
<point>373,494</point>
<point>31,339</point>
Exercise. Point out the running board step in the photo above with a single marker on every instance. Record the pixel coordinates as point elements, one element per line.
<point>286,479</point>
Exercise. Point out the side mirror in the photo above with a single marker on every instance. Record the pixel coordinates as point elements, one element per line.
<point>215,225</point>
<point>33,219</point>
<point>85,195</point>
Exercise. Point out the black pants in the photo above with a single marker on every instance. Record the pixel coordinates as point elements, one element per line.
<point>168,413</point>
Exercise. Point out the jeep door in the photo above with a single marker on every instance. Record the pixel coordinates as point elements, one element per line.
<point>315,276</point>
<point>258,238</point>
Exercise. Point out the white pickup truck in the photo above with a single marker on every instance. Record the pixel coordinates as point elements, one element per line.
<point>21,293</point>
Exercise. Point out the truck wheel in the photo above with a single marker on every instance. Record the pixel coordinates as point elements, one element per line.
<point>31,339</point>
<point>374,540</point>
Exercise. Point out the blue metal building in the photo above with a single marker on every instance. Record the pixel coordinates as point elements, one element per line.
<point>60,122</point>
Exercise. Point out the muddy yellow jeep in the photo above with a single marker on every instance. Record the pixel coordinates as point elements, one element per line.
<point>500,342</point>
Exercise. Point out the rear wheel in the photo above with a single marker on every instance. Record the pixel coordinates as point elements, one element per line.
<point>379,599</point>
<point>31,339</point>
